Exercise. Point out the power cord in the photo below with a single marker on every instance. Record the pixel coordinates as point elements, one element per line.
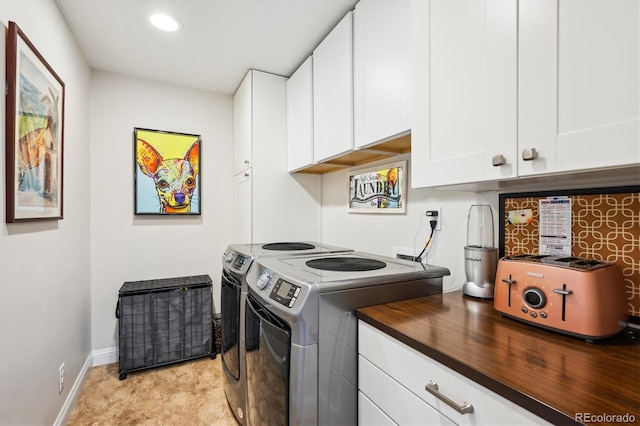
<point>432,223</point>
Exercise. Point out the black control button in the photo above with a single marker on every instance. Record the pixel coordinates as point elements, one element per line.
<point>543,314</point>
<point>524,310</point>
<point>533,314</point>
<point>534,297</point>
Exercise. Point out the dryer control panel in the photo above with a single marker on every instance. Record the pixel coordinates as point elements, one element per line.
<point>285,293</point>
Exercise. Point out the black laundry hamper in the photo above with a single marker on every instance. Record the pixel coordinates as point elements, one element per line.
<point>164,321</point>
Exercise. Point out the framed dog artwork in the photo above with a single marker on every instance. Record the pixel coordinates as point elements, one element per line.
<point>34,133</point>
<point>167,173</point>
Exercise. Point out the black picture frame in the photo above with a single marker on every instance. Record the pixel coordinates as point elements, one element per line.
<point>34,140</point>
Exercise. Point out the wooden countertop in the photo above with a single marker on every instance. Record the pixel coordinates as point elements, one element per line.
<point>554,376</point>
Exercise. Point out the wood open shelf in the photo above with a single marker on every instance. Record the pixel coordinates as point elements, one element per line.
<point>380,151</point>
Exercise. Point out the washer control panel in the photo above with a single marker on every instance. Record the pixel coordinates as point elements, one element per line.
<point>263,280</point>
<point>236,261</point>
<point>239,262</point>
<point>285,293</point>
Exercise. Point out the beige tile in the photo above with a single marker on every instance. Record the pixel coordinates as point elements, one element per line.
<point>189,393</point>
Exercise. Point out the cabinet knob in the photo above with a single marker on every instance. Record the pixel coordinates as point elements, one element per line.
<point>246,162</point>
<point>246,175</point>
<point>498,160</point>
<point>529,154</point>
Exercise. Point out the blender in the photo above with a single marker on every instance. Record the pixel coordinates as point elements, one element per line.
<point>480,255</point>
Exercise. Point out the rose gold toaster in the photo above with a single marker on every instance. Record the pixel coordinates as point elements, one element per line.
<point>576,296</point>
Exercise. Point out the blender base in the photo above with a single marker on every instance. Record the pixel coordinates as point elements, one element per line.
<point>474,290</point>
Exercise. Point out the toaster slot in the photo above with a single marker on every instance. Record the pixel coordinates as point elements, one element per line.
<point>509,281</point>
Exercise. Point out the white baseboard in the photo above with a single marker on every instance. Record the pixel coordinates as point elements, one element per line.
<point>74,394</point>
<point>105,356</point>
<point>96,358</point>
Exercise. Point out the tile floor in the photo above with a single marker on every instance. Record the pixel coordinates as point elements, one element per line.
<point>189,393</point>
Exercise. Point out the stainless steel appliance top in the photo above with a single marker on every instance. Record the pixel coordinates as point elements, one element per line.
<point>368,269</point>
<point>238,257</point>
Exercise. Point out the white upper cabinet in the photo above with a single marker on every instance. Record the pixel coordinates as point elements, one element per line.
<point>268,201</point>
<point>381,66</point>
<point>578,84</point>
<point>333,93</point>
<point>300,117</point>
<point>464,107</point>
<point>506,89</point>
<point>242,116</point>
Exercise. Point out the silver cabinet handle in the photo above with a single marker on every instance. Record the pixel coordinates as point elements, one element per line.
<point>529,154</point>
<point>432,388</point>
<point>498,160</point>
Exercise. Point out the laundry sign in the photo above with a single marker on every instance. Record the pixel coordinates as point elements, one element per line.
<point>380,189</point>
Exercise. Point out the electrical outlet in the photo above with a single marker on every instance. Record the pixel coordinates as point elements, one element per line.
<point>61,378</point>
<point>435,214</point>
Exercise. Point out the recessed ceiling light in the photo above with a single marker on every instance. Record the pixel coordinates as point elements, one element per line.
<point>164,22</point>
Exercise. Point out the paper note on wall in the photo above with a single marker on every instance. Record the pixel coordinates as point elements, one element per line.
<point>520,217</point>
<point>555,226</point>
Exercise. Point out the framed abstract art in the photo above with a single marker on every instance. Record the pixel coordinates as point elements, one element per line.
<point>34,133</point>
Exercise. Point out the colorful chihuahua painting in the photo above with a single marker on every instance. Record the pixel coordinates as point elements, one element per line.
<point>175,178</point>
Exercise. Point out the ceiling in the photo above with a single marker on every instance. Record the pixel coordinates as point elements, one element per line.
<point>220,40</point>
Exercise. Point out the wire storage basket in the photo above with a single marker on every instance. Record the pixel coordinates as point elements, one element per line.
<point>164,321</point>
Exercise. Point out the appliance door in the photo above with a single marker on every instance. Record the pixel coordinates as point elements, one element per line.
<point>268,349</point>
<point>230,323</point>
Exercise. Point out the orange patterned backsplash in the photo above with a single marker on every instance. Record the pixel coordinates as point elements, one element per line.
<point>604,226</point>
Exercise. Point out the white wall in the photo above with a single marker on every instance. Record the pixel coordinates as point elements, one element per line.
<point>45,302</point>
<point>380,233</point>
<point>125,247</point>
<point>59,280</point>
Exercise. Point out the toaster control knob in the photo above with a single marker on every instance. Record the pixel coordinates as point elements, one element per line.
<point>535,298</point>
<point>263,280</point>
<point>524,310</point>
<point>543,314</point>
<point>533,314</point>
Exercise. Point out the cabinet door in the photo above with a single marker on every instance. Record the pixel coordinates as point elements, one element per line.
<point>370,415</point>
<point>280,198</point>
<point>413,370</point>
<point>242,205</point>
<point>333,93</point>
<point>381,67</point>
<point>578,84</point>
<point>396,401</point>
<point>300,117</point>
<point>242,118</point>
<point>465,91</point>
